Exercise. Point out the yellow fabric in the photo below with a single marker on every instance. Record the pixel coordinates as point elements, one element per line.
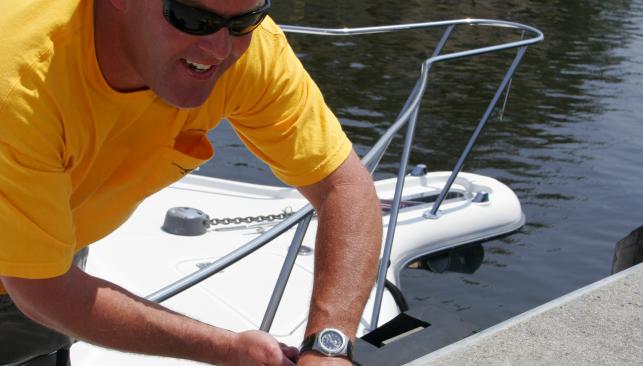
<point>76,157</point>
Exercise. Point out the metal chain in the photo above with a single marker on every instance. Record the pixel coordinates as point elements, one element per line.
<point>285,213</point>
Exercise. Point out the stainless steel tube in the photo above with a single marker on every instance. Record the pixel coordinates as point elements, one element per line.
<point>284,275</point>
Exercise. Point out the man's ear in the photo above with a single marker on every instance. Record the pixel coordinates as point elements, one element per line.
<point>119,4</point>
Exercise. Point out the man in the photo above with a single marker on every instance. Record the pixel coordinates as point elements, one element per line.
<point>106,101</point>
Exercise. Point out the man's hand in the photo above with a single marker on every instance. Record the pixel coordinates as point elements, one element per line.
<point>256,348</point>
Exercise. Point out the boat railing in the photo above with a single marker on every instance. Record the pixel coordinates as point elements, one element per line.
<point>407,116</point>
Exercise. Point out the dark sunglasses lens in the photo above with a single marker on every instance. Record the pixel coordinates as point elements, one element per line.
<point>246,24</point>
<point>192,20</point>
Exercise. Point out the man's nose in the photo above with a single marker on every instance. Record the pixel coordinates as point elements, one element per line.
<point>218,44</point>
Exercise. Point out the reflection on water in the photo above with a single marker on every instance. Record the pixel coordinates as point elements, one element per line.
<point>569,143</point>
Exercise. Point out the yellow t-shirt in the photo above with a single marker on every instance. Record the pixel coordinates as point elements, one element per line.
<point>76,157</point>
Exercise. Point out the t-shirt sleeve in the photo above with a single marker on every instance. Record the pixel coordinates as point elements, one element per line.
<point>36,222</point>
<point>280,114</point>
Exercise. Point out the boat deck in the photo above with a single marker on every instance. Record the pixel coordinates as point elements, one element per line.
<point>600,324</point>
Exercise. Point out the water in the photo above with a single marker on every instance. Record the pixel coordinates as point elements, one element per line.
<point>569,145</point>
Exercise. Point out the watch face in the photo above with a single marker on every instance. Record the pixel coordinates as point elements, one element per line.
<point>331,341</point>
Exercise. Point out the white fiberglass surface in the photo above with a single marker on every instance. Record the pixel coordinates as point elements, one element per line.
<point>143,258</point>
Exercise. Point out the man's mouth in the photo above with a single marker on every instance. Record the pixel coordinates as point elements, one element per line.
<point>201,68</point>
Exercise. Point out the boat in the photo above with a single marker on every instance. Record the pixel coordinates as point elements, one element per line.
<point>240,255</point>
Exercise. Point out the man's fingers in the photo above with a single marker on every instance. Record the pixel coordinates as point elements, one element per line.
<point>291,352</point>
<point>287,361</point>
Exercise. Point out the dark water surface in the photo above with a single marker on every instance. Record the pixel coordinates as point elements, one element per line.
<point>570,144</point>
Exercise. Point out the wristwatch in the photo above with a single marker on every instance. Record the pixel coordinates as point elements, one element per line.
<point>329,342</point>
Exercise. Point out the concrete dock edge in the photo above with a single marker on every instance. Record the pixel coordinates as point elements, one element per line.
<point>599,324</point>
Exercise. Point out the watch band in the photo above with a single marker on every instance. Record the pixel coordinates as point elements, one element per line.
<point>307,343</point>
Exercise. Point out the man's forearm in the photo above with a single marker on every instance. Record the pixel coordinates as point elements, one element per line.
<point>99,312</point>
<point>347,249</point>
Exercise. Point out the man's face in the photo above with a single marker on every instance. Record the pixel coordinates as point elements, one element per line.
<point>181,68</point>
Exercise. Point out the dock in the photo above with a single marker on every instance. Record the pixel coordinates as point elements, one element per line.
<point>600,324</point>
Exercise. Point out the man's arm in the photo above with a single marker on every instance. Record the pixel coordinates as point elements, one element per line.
<point>348,244</point>
<point>99,312</point>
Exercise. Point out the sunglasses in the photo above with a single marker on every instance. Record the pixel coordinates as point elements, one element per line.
<point>200,22</point>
